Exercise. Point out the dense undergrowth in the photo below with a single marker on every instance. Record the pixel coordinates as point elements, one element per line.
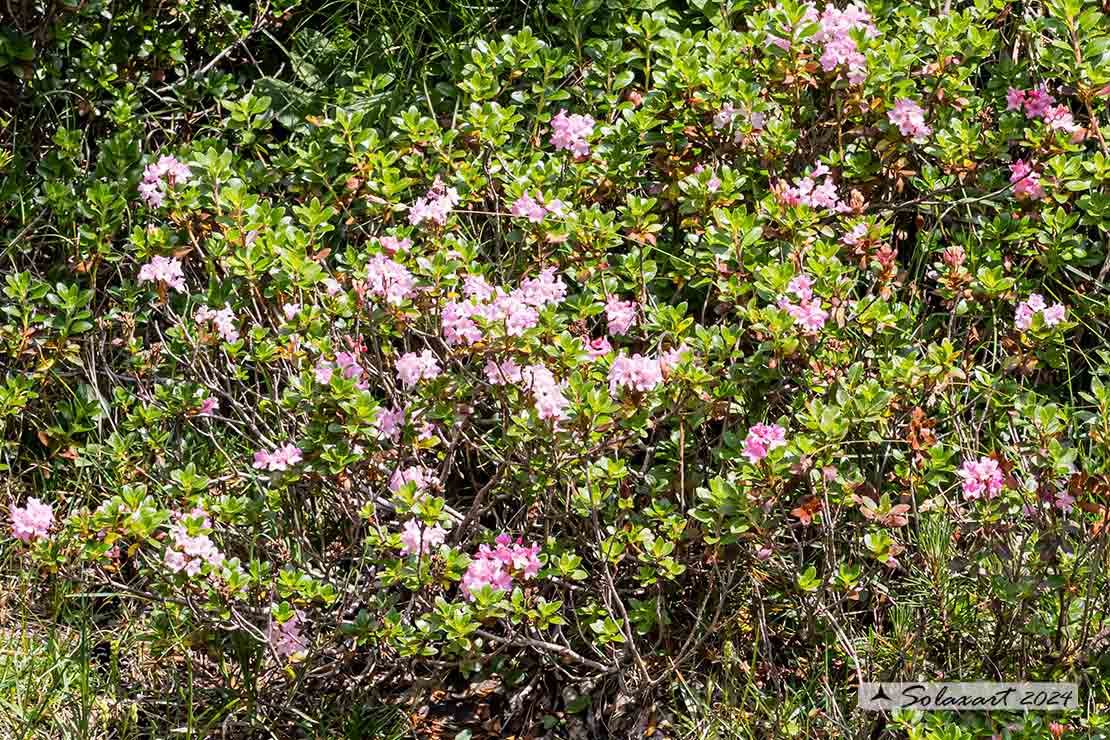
<point>595,368</point>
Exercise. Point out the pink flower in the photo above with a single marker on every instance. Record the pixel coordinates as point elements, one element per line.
<point>836,34</point>
<point>458,326</point>
<point>413,367</point>
<point>388,279</point>
<point>421,477</point>
<point>224,321</point>
<point>550,402</point>
<point>207,406</point>
<point>280,459</point>
<point>416,538</point>
<point>435,206</point>
<point>393,245</point>
<point>496,567</point>
<point>477,288</point>
<point>324,370</point>
<point>33,521</point>
<point>291,310</point>
<point>528,207</point>
<point>166,270</point>
<point>761,439</point>
<point>909,117</point>
<point>1015,99</point>
<point>981,479</point>
<point>802,287</point>
<point>188,552</point>
<point>672,357</point>
<point>286,638</point>
<point>806,191</point>
<point>639,373</point>
<point>502,373</point>
<point>1037,102</point>
<point>390,423</point>
<point>954,256</point>
<point>621,315</point>
<point>856,235</point>
<point>1035,303</point>
<point>571,132</point>
<point>160,175</point>
<point>547,289</point>
<point>598,348</point>
<point>1027,183</point>
<point>517,313</point>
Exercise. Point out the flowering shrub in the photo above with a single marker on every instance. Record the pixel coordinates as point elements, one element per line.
<point>759,322</point>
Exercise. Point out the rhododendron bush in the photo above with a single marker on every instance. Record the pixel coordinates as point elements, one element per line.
<point>683,331</point>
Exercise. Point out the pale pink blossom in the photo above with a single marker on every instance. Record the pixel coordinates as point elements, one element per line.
<point>165,270</point>
<point>636,372</point>
<point>496,567</point>
<point>207,406</point>
<point>280,459</point>
<point>598,348</point>
<point>392,245</point>
<point>223,320</point>
<point>416,538</point>
<point>413,367</point>
<point>1026,181</point>
<point>420,476</point>
<point>388,279</point>
<point>571,133</point>
<point>32,521</point>
<point>390,423</point>
<point>286,638</point>
<point>1034,304</point>
<point>291,310</point>
<point>909,117</point>
<point>435,206</point>
<point>620,315</point>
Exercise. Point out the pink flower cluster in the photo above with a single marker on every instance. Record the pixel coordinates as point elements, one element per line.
<point>1027,309</point>
<point>517,309</point>
<point>164,269</point>
<point>388,279</point>
<point>392,245</point>
<point>32,521</point>
<point>286,638</point>
<point>620,315</point>
<point>207,406</point>
<point>435,206</point>
<point>416,538</point>
<point>729,113</point>
<point>835,33</point>
<point>347,364</point>
<point>280,459</point>
<point>157,176</point>
<point>536,209</point>
<point>190,552</point>
<point>223,320</point>
<point>413,367</point>
<point>1039,103</point>
<point>761,439</point>
<point>598,348</point>
<point>536,379</point>
<point>389,423</point>
<point>571,133</point>
<point>807,311</point>
<point>806,191</point>
<point>636,372</point>
<point>909,117</point>
<point>1026,181</point>
<point>420,476</point>
<point>496,567</point>
<point>981,479</point>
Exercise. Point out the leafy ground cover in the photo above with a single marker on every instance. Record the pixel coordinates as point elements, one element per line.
<point>579,369</point>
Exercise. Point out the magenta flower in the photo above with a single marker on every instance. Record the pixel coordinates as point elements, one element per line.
<point>1026,181</point>
<point>1015,99</point>
<point>207,406</point>
<point>166,270</point>
<point>32,521</point>
<point>761,439</point>
<point>808,192</point>
<point>982,478</point>
<point>496,567</point>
